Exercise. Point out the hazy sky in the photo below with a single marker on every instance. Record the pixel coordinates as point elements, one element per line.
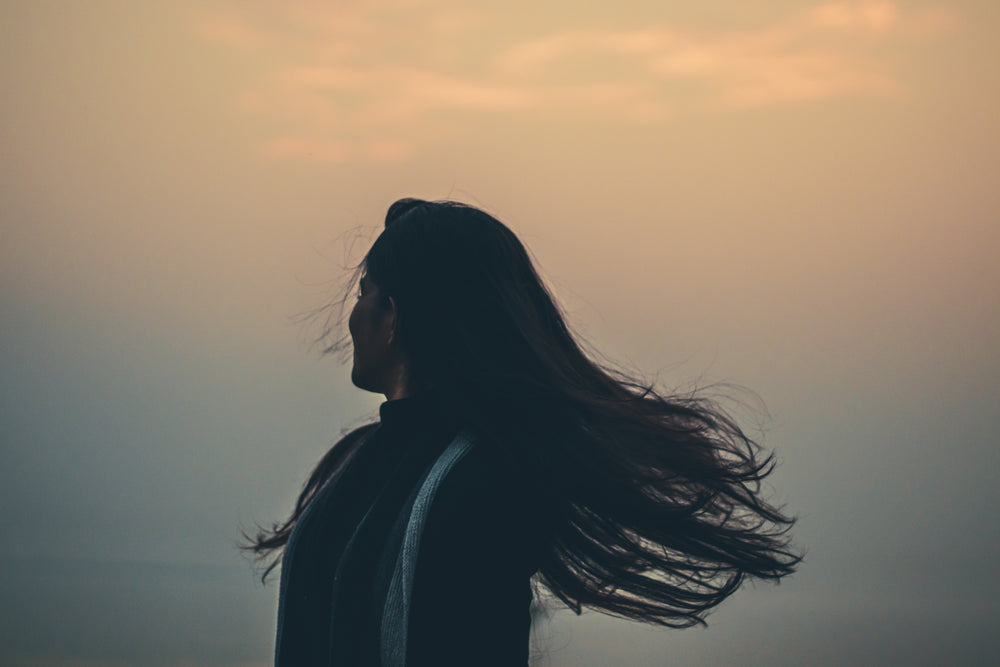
<point>799,197</point>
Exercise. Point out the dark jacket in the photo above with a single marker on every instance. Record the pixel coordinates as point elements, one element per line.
<point>468,593</point>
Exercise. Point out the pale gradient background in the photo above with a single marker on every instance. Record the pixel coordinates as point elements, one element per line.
<point>801,197</point>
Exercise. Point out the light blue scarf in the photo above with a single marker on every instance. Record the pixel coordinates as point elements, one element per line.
<point>396,613</point>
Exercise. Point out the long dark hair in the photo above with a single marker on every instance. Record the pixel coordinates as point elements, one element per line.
<point>652,501</point>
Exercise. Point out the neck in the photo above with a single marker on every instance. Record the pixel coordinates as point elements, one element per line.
<point>397,393</point>
<point>400,386</point>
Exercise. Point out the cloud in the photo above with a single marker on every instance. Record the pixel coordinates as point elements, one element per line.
<point>315,148</point>
<point>768,67</point>
<point>231,31</point>
<point>353,81</point>
<point>876,16</point>
<point>883,17</point>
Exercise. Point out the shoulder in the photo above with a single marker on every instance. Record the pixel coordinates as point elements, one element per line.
<point>484,490</point>
<point>338,455</point>
<point>352,440</point>
<point>483,471</point>
<point>355,436</point>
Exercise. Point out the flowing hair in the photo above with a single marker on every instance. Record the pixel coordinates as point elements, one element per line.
<point>652,502</point>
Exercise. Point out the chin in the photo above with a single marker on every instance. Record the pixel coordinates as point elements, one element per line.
<point>359,380</point>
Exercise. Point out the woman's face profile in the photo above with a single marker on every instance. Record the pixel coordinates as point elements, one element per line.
<point>371,325</point>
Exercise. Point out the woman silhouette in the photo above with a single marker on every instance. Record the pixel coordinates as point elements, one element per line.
<point>503,453</point>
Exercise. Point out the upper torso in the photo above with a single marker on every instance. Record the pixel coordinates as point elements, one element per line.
<point>479,548</point>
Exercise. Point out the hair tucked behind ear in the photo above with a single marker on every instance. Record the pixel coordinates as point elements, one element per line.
<point>652,501</point>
